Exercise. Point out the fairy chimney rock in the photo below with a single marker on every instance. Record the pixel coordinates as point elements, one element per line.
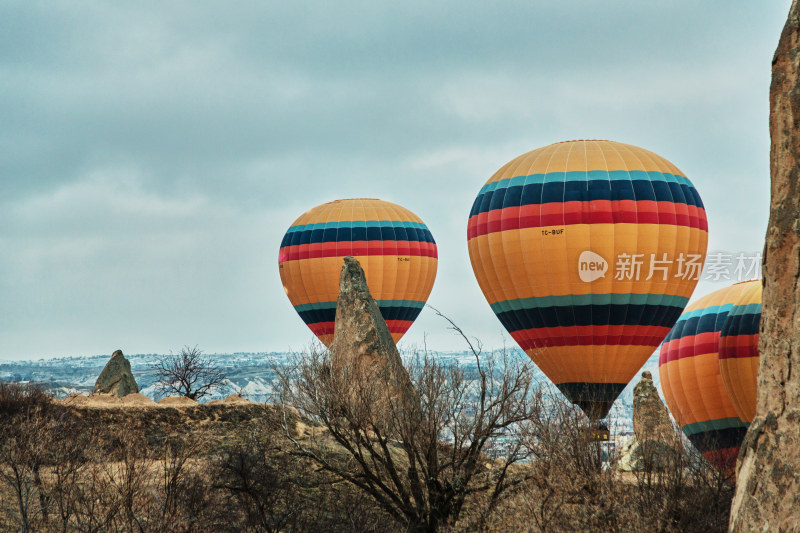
<point>361,336</point>
<point>651,420</point>
<point>657,443</point>
<point>116,377</point>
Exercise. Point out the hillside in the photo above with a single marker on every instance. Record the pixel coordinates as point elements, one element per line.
<point>104,464</point>
<point>249,374</point>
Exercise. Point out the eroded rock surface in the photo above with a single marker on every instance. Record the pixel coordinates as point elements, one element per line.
<point>361,338</point>
<point>768,483</point>
<point>655,443</point>
<point>629,457</point>
<point>116,377</point>
<point>651,420</point>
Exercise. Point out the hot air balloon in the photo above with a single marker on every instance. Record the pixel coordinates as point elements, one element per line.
<point>393,245</point>
<point>587,252</point>
<point>691,382</point>
<point>738,350</point>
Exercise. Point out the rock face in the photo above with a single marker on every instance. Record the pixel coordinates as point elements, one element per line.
<point>651,420</point>
<point>361,337</point>
<point>655,442</point>
<point>629,457</point>
<point>116,377</point>
<point>768,484</point>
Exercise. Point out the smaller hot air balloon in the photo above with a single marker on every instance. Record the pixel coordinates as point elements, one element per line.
<point>738,350</point>
<point>395,249</point>
<point>691,381</point>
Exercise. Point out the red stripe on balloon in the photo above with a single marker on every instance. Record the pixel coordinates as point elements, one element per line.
<point>321,328</point>
<point>399,326</point>
<point>689,346</point>
<point>326,328</point>
<point>736,346</point>
<point>723,459</point>
<point>591,212</point>
<point>589,336</point>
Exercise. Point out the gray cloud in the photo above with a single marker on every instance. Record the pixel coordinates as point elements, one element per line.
<point>152,155</point>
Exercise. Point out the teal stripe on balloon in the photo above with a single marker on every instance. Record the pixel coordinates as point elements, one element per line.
<point>324,306</point>
<point>539,302</point>
<point>713,309</point>
<point>600,175</point>
<point>358,224</point>
<point>400,303</point>
<point>749,309</point>
<point>315,306</point>
<point>713,425</point>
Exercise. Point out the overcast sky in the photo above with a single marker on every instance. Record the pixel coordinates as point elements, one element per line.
<point>152,154</point>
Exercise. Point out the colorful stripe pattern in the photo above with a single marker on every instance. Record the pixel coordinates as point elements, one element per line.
<point>590,197</point>
<point>357,237</point>
<point>738,351</point>
<point>531,223</point>
<point>394,246</point>
<point>692,383</point>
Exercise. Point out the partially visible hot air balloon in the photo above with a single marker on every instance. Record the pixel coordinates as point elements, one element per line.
<point>691,382</point>
<point>393,245</point>
<point>588,251</point>
<point>738,350</point>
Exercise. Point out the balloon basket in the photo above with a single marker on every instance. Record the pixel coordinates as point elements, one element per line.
<point>599,431</point>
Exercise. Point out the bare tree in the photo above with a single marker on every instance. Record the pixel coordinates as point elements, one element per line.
<point>188,373</point>
<point>275,491</point>
<point>26,419</point>
<point>422,457</point>
<point>671,489</point>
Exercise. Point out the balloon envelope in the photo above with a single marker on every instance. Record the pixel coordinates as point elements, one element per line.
<point>588,251</point>
<point>738,350</point>
<point>691,382</point>
<point>395,249</point>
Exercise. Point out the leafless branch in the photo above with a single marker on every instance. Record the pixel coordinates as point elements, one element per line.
<point>188,374</point>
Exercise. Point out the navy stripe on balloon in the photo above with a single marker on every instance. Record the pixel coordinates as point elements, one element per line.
<point>695,325</point>
<point>344,234</point>
<point>585,191</point>
<point>717,439</point>
<point>590,315</point>
<point>741,324</point>
<point>393,312</point>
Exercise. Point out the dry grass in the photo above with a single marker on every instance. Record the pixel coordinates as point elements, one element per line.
<point>103,465</point>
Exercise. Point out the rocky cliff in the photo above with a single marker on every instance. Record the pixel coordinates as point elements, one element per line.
<point>768,484</point>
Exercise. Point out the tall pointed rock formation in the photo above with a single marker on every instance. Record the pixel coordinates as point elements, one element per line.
<point>768,484</point>
<point>361,340</point>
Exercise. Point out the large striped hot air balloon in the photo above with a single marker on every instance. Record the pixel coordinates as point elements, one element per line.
<point>738,350</point>
<point>588,251</point>
<point>690,379</point>
<point>393,245</point>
